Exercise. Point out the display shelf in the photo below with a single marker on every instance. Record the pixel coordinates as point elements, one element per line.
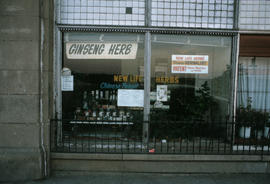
<point>103,122</point>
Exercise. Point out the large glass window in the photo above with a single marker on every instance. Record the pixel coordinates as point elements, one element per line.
<point>253,83</point>
<point>190,77</point>
<point>103,93</point>
<point>106,67</point>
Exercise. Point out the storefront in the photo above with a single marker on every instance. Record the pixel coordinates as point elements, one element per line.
<point>112,78</point>
<point>154,83</point>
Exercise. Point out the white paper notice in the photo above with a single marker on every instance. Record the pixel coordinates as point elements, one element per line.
<point>130,97</point>
<point>190,64</point>
<point>67,83</point>
<point>162,93</point>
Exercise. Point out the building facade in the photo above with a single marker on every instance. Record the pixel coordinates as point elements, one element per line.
<point>134,86</point>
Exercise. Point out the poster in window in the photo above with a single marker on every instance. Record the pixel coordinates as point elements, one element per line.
<point>162,93</point>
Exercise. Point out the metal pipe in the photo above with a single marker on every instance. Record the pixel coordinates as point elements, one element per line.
<point>41,88</point>
<point>147,84</point>
<point>57,73</point>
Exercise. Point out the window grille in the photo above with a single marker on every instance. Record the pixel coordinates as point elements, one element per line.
<point>254,14</point>
<point>102,12</point>
<point>217,14</point>
<point>193,13</point>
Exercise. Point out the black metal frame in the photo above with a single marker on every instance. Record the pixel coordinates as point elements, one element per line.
<point>160,30</point>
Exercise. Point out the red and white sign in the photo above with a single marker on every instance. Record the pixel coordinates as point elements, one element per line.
<point>190,64</point>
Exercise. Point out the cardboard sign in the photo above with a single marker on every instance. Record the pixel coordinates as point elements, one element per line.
<point>90,50</point>
<point>190,64</point>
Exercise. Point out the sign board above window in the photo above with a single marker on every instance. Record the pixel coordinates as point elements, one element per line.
<point>90,50</point>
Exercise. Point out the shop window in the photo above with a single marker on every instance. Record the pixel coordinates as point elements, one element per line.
<point>106,68</point>
<point>253,83</point>
<point>190,77</point>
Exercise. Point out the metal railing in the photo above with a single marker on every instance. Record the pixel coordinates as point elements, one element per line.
<point>165,137</point>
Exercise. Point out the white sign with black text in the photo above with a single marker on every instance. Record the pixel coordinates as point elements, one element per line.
<point>95,50</point>
<point>130,97</point>
<point>67,83</point>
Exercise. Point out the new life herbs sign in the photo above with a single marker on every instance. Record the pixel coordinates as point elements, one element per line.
<point>190,64</point>
<point>91,50</point>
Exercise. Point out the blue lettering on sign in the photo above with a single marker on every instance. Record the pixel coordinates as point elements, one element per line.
<point>105,85</point>
<point>130,85</point>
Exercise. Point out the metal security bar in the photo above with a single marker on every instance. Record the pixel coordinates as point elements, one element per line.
<point>166,137</point>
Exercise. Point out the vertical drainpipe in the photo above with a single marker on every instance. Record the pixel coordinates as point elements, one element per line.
<point>43,166</point>
<point>57,74</point>
<point>147,73</point>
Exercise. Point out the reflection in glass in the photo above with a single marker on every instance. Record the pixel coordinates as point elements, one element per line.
<point>196,71</point>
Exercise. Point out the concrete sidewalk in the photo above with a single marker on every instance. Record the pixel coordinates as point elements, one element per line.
<point>130,178</point>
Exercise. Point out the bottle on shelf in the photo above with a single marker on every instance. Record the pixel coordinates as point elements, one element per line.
<point>106,95</point>
<point>101,94</point>
<point>97,94</point>
<point>85,101</point>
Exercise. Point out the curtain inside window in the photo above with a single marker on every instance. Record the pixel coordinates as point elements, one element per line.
<point>254,83</point>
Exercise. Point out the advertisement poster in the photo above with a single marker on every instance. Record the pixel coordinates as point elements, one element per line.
<point>130,97</point>
<point>196,64</point>
<point>162,93</point>
<point>67,83</point>
<point>90,50</point>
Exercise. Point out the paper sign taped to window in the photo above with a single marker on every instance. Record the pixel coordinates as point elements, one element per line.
<point>130,97</point>
<point>190,64</point>
<point>162,93</point>
<point>67,83</point>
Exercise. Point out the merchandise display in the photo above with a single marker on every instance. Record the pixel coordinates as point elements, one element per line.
<point>101,105</point>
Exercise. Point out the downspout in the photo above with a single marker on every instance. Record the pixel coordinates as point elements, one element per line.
<point>44,164</point>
